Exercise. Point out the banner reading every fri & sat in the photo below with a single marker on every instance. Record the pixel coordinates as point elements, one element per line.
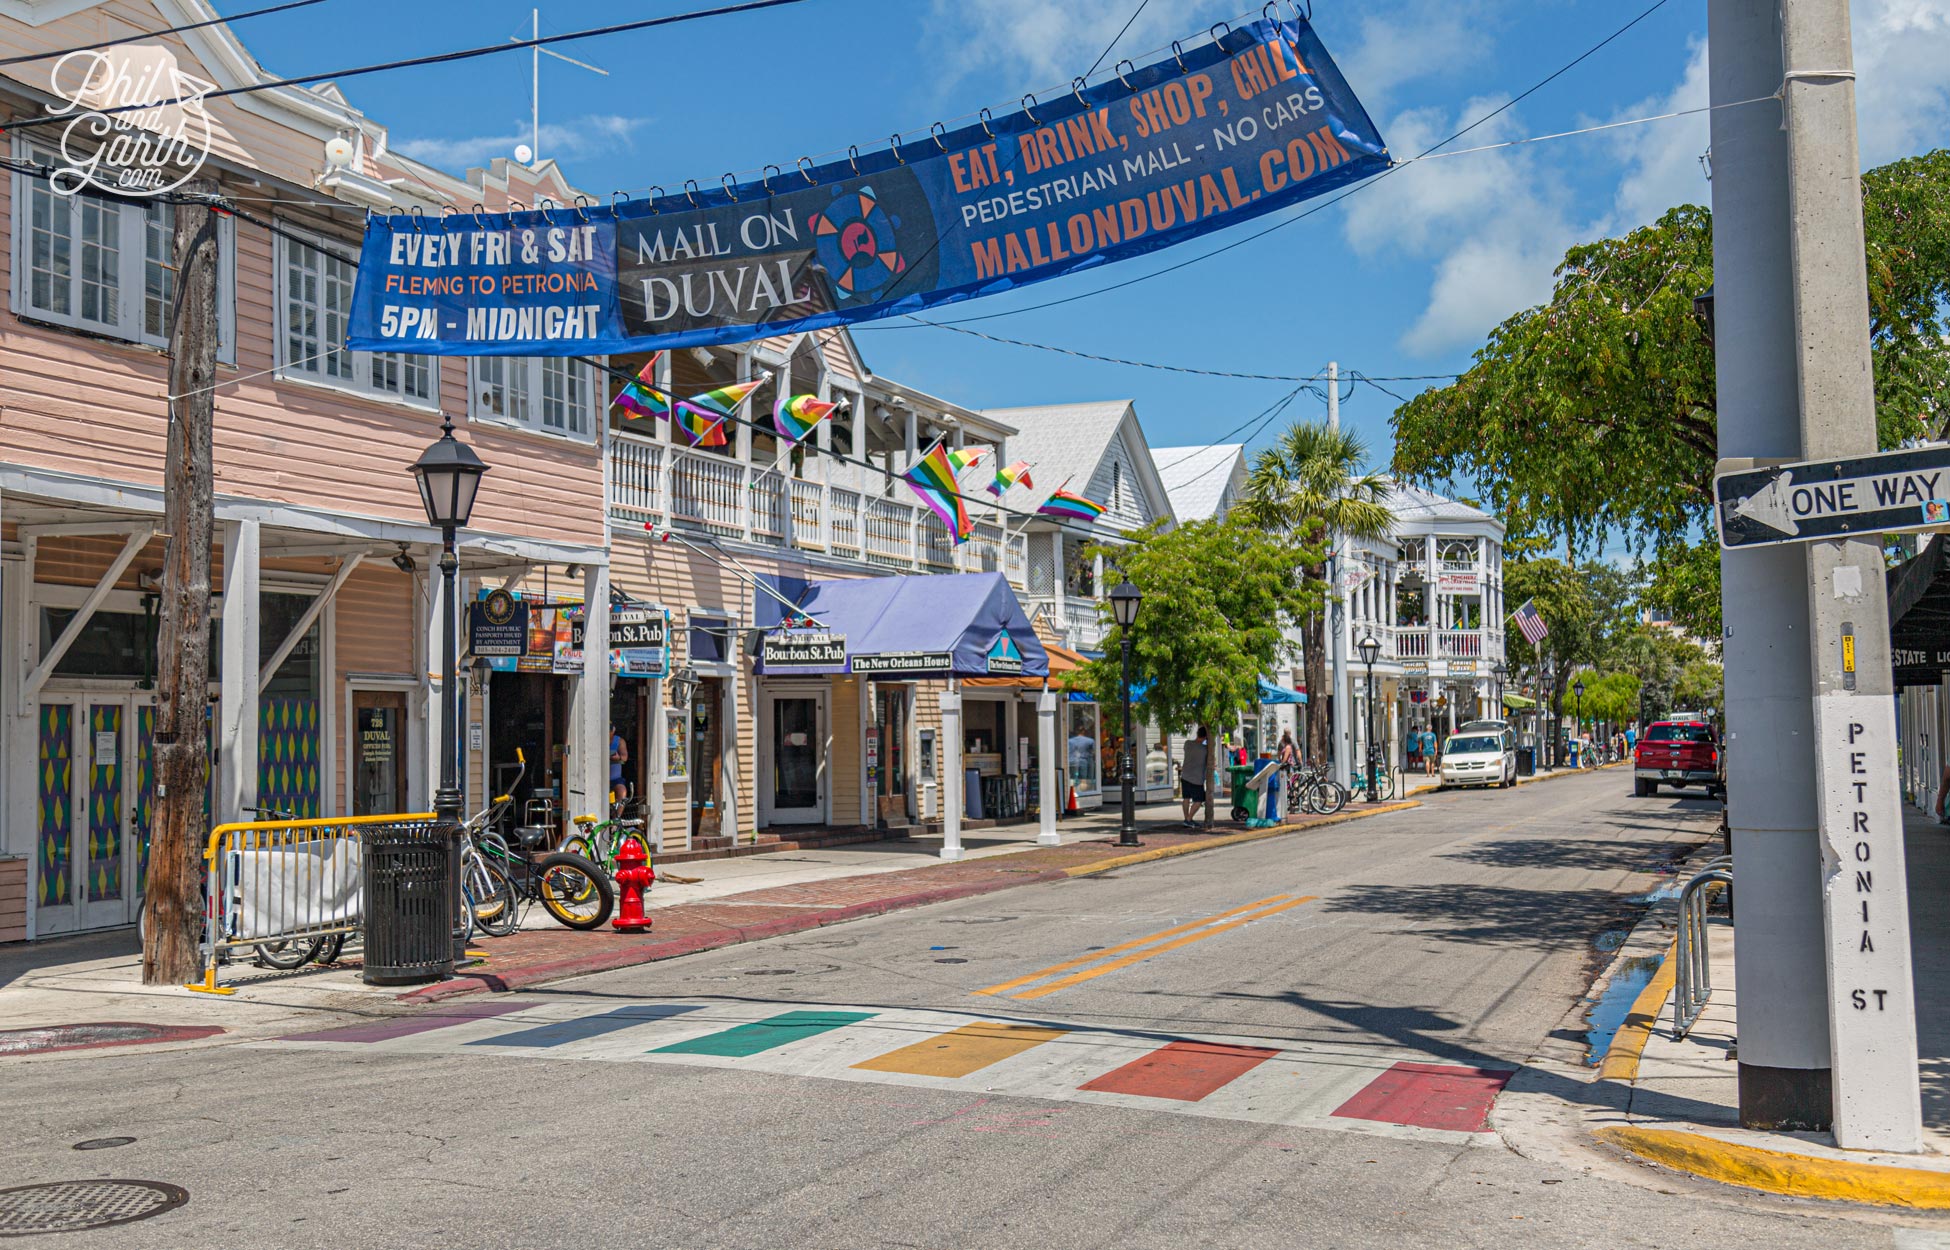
<point>1252,121</point>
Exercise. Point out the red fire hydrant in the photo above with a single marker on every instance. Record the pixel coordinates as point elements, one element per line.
<point>633,877</point>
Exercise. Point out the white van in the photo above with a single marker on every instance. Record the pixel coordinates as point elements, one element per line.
<point>1480,758</point>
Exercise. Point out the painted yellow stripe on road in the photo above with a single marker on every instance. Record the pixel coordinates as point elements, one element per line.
<point>962,1051</point>
<point>1121,947</point>
<point>1077,978</point>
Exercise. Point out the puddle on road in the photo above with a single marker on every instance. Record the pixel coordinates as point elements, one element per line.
<point>1611,1007</point>
<point>1669,890</point>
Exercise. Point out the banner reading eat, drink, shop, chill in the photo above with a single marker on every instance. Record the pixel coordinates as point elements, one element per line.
<point>1249,122</point>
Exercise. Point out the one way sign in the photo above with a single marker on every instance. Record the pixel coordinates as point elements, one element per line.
<point>1797,503</point>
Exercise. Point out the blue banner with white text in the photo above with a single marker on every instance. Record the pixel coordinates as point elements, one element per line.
<point>1252,121</point>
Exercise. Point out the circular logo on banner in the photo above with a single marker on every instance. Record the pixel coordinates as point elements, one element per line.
<point>856,240</point>
<point>498,607</point>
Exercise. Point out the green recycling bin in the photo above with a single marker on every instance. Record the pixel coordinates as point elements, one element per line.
<point>1243,797</point>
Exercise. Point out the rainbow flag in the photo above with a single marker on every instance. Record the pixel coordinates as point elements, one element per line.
<point>1070,506</point>
<point>933,479</point>
<point>640,398</point>
<point>965,457</point>
<point>1005,478</point>
<point>703,416</point>
<point>795,417</point>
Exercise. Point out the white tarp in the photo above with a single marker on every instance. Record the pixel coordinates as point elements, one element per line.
<point>286,890</point>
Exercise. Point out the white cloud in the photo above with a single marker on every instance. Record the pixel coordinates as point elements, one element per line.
<point>1902,93</point>
<point>1493,225</point>
<point>1397,45</point>
<point>1046,44</point>
<point>596,133</point>
<point>1661,159</point>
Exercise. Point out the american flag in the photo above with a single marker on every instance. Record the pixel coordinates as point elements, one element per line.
<point>1530,622</point>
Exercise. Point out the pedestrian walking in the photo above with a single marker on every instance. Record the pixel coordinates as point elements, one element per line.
<point>1193,774</point>
<point>619,755</point>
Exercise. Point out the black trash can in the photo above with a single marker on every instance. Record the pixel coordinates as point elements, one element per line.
<point>411,878</point>
<point>1526,761</point>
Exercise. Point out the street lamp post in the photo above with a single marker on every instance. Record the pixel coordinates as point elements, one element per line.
<point>1577,688</point>
<point>1370,650</point>
<point>1499,670</point>
<point>1124,601</point>
<point>449,474</point>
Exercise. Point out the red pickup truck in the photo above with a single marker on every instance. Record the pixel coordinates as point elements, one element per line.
<point>1676,753</point>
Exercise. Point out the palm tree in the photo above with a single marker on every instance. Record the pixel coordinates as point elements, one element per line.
<point>1316,478</point>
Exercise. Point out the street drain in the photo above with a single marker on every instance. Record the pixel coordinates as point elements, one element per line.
<point>951,961</point>
<point>770,972</point>
<point>74,1206</point>
<point>52,1037</point>
<point>104,1143</point>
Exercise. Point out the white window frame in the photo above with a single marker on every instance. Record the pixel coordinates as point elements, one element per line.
<point>534,399</point>
<point>134,262</point>
<point>314,368</point>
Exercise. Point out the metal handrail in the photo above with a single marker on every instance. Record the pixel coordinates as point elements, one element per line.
<point>1693,972</point>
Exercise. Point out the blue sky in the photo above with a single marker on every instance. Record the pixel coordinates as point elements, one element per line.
<point>1404,278</point>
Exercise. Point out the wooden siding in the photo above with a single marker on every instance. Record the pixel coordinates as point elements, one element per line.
<point>373,633</point>
<point>13,899</point>
<point>845,767</point>
<point>1126,508</point>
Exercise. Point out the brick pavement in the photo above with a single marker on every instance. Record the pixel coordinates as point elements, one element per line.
<point>533,956</point>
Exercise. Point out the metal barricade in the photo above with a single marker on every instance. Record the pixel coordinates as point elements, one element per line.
<point>1693,973</point>
<point>283,881</point>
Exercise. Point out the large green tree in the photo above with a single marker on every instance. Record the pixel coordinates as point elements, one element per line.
<point>1593,414</point>
<point>1316,479</point>
<point>1219,597</point>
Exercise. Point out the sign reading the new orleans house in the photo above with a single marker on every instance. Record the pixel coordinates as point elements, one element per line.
<point>1251,121</point>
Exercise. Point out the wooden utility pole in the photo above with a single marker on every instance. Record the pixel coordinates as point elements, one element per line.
<point>173,903</point>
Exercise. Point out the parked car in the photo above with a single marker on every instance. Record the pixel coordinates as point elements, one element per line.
<point>1476,725</point>
<point>1480,758</point>
<point>1677,753</point>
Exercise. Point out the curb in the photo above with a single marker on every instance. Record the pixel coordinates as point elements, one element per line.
<point>1777,1172</point>
<point>1233,839</point>
<point>1621,1061</point>
<point>630,956</point>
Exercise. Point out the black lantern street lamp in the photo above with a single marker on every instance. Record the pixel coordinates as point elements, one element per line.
<point>1124,601</point>
<point>1703,310</point>
<point>449,474</point>
<point>1370,651</point>
<point>1577,688</point>
<point>1499,670</point>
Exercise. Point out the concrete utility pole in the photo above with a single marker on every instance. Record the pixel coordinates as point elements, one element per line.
<point>173,902</point>
<point>1337,609</point>
<point>1865,910</point>
<point>1806,645</point>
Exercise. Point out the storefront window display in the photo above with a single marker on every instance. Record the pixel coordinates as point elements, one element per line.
<point>1082,746</point>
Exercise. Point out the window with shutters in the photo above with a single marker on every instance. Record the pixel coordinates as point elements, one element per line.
<point>314,312</point>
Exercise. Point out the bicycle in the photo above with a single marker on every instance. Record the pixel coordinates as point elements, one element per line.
<point>1385,785</point>
<point>599,840</point>
<point>573,889</point>
<point>1309,791</point>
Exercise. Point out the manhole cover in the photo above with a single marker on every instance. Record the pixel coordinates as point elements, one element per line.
<point>951,961</point>
<point>87,1036</point>
<point>71,1206</point>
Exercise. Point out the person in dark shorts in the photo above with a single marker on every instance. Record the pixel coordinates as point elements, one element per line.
<point>1192,775</point>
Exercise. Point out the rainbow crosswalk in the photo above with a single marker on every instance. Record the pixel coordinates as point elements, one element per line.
<point>1353,1087</point>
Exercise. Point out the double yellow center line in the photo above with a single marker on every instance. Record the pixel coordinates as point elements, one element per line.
<point>1113,958</point>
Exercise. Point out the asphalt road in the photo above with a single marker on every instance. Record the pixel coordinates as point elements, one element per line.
<point>1289,1043</point>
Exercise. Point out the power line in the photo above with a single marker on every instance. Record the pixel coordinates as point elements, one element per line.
<point>152,34</point>
<point>1121,32</point>
<point>1327,204</point>
<point>441,58</point>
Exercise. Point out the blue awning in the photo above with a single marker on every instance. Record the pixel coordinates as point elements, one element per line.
<point>1271,695</point>
<point>942,625</point>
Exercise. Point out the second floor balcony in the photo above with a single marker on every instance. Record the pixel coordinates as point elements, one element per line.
<point>661,484</point>
<point>1420,642</point>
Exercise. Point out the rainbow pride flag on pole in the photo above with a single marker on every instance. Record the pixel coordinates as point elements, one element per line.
<point>1005,478</point>
<point>933,479</point>
<point>1071,507</point>
<point>703,416</point>
<point>963,458</point>
<point>641,398</point>
<point>796,416</point>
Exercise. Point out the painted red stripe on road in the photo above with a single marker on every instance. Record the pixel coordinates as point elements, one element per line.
<point>1184,1071</point>
<point>1429,1095</point>
<point>406,1026</point>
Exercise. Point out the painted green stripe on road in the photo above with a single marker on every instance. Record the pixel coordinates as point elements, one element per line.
<point>763,1035</point>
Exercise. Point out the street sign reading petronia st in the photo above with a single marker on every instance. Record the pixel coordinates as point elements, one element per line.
<point>1830,499</point>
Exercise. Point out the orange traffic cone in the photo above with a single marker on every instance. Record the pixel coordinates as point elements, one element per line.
<point>1071,809</point>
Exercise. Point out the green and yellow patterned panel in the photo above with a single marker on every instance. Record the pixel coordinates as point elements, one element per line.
<point>104,802</point>
<point>287,756</point>
<point>143,826</point>
<point>54,818</point>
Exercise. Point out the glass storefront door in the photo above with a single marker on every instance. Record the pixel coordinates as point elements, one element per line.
<point>796,768</point>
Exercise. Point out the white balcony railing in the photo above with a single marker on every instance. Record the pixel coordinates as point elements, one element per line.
<point>660,484</point>
<point>1411,643</point>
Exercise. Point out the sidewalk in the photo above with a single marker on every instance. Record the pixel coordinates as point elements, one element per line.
<point>1675,1102</point>
<point>97,977</point>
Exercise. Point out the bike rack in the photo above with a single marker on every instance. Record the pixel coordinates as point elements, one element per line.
<point>1693,975</point>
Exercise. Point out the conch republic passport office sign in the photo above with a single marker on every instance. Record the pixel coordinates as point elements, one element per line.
<point>1252,120</point>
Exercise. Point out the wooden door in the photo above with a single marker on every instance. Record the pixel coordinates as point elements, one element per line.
<point>707,758</point>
